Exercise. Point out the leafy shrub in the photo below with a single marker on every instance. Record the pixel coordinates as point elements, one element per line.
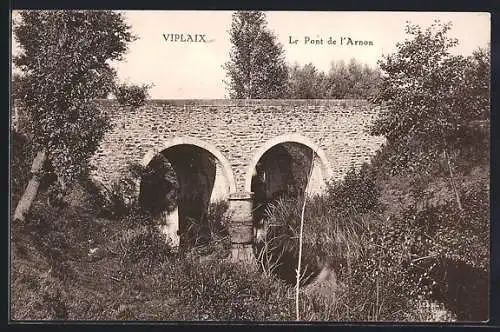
<point>218,219</point>
<point>131,94</point>
<point>358,193</point>
<point>55,195</point>
<point>209,237</point>
<point>278,253</point>
<point>122,196</point>
<point>116,200</point>
<point>214,227</point>
<point>110,200</point>
<point>159,185</point>
<point>394,267</point>
<point>434,255</point>
<point>452,249</point>
<point>386,264</point>
<point>369,256</point>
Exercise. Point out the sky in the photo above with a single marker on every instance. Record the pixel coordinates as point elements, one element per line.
<point>192,70</point>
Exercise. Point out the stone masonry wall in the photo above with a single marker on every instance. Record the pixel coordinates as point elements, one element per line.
<point>237,128</point>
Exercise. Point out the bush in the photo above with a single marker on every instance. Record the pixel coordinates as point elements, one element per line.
<point>434,256</point>
<point>210,237</point>
<point>358,193</point>
<point>451,254</point>
<point>159,185</point>
<point>110,201</point>
<point>390,266</point>
<point>118,199</point>
<point>215,226</point>
<point>55,195</point>
<point>369,257</point>
<point>218,219</point>
<point>131,94</point>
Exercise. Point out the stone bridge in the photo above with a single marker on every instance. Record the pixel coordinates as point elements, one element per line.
<point>238,133</point>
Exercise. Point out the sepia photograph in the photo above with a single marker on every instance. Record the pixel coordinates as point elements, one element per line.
<point>259,166</point>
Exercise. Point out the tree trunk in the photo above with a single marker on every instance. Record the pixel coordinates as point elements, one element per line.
<point>452,180</point>
<point>31,190</point>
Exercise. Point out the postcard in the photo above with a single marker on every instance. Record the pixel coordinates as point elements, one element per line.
<point>261,166</point>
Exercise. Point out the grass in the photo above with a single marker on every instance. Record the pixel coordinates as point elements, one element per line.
<point>69,263</point>
<point>125,284</point>
<point>74,263</point>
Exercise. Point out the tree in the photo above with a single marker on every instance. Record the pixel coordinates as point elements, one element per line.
<point>64,62</point>
<point>431,98</point>
<point>338,80</point>
<point>353,80</point>
<point>15,86</point>
<point>256,68</point>
<point>131,94</point>
<point>307,82</point>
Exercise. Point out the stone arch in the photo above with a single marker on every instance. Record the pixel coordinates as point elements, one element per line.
<point>186,140</point>
<point>295,138</point>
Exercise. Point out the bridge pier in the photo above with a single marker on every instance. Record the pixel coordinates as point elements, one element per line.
<point>241,228</point>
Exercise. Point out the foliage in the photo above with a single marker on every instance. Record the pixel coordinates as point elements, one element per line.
<point>386,265</point>
<point>369,256</point>
<point>430,253</point>
<point>218,218</point>
<point>431,257</point>
<point>119,198</point>
<point>437,126</point>
<point>208,234</point>
<point>306,82</point>
<point>159,186</point>
<point>381,280</point>
<point>215,227</point>
<point>277,254</point>
<point>56,261</point>
<point>456,235</point>
<point>64,62</point>
<point>256,68</point>
<point>222,291</point>
<point>20,167</point>
<point>438,255</point>
<point>431,97</point>
<point>55,196</point>
<point>141,241</point>
<point>357,194</point>
<point>21,153</point>
<point>15,86</point>
<point>332,224</point>
<point>131,94</point>
<point>351,81</point>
